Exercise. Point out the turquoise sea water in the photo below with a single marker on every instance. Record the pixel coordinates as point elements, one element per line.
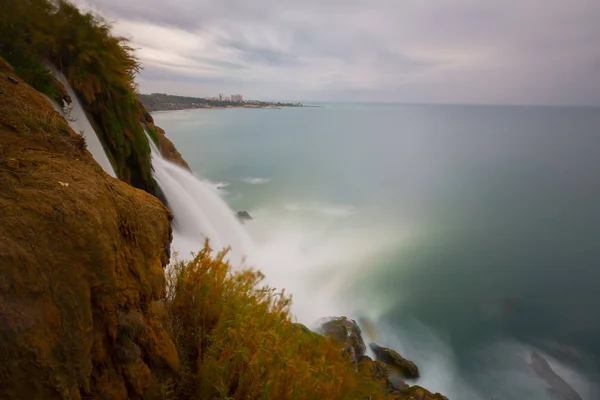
<point>470,235</point>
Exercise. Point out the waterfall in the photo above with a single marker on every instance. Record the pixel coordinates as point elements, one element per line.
<point>199,212</point>
<point>78,121</point>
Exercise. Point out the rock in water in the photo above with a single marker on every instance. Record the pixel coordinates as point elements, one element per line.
<point>346,332</point>
<point>417,393</point>
<point>243,216</point>
<point>404,367</point>
<point>378,372</point>
<point>388,363</point>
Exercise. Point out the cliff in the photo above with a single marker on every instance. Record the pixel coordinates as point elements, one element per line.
<point>82,258</point>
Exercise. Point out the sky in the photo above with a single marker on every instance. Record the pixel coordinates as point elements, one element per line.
<point>416,51</point>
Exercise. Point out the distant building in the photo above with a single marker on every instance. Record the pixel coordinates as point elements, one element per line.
<point>237,98</point>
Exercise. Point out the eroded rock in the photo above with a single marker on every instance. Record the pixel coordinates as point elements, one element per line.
<point>404,367</point>
<point>417,393</point>
<point>347,333</point>
<point>243,216</point>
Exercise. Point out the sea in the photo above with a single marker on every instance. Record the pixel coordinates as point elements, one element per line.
<point>468,236</point>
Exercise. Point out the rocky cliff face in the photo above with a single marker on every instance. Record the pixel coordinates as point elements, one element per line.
<point>167,148</point>
<point>82,258</point>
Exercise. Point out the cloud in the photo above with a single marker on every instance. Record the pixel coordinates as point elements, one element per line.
<point>460,51</point>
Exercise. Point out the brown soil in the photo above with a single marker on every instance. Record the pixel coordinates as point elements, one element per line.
<point>81,261</point>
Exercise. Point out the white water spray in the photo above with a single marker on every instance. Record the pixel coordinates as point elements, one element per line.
<point>79,122</point>
<point>199,212</point>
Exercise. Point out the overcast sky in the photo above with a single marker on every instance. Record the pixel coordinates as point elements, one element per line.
<point>433,51</point>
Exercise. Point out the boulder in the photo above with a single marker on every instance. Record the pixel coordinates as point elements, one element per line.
<point>347,333</point>
<point>380,373</point>
<point>388,369</point>
<point>243,216</point>
<point>406,368</point>
<point>375,370</point>
<point>416,393</point>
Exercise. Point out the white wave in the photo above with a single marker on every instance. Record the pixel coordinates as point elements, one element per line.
<point>256,181</point>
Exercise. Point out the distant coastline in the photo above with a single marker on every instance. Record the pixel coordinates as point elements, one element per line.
<point>164,102</point>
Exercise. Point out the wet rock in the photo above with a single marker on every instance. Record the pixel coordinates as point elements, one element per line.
<point>406,368</point>
<point>417,393</point>
<point>375,370</point>
<point>388,370</point>
<point>397,385</point>
<point>243,216</point>
<point>364,358</point>
<point>379,372</point>
<point>347,333</point>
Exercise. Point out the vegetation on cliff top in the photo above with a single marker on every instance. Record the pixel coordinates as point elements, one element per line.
<point>99,66</point>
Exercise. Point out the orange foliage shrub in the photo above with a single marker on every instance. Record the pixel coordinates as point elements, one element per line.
<point>236,340</point>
